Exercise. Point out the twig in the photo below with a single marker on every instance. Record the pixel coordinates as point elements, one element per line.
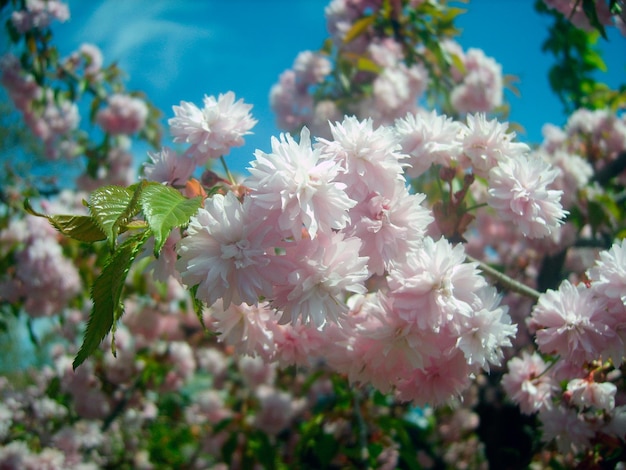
<point>505,280</point>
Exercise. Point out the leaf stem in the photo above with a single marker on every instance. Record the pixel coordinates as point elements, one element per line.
<point>228,173</point>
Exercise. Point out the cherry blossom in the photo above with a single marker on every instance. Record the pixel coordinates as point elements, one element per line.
<point>518,190</point>
<point>224,254</point>
<point>297,187</point>
<point>213,130</point>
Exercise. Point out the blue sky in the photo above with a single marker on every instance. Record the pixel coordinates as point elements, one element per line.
<point>182,50</point>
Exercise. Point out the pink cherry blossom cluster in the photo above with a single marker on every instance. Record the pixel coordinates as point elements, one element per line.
<point>43,279</point>
<point>582,328</point>
<point>599,134</point>
<point>97,415</point>
<point>479,84</point>
<point>398,87</point>
<point>388,81</point>
<point>213,130</point>
<point>50,91</point>
<point>89,57</point>
<point>292,97</point>
<point>123,114</point>
<point>39,14</point>
<point>327,245</point>
<point>50,119</point>
<point>518,182</point>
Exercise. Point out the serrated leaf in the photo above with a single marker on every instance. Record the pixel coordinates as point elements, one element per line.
<point>79,227</point>
<point>165,209</point>
<point>108,205</point>
<point>358,28</point>
<point>106,295</point>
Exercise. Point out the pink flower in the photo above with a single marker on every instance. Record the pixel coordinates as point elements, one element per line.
<point>396,91</point>
<point>434,285</point>
<point>587,393</point>
<point>22,87</point>
<point>244,327</point>
<point>40,14</point>
<point>256,371</point>
<point>486,143</point>
<point>574,175</point>
<point>527,384</point>
<point>207,405</point>
<point>225,253</point>
<point>486,331</point>
<point>518,190</point>
<point>481,87</point>
<point>390,227</point>
<point>169,167</point>
<point>567,428</point>
<point>428,138</point>
<point>92,56</point>
<point>299,344</point>
<point>296,188</point>
<point>608,276</point>
<point>311,68</point>
<point>276,409</point>
<point>438,383</point>
<point>573,323</point>
<point>123,115</point>
<point>291,103</point>
<point>577,14</point>
<point>370,158</point>
<point>214,129</point>
<point>316,275</point>
<point>384,348</point>
<point>44,279</point>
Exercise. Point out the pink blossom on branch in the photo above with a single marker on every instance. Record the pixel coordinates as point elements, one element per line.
<point>123,114</point>
<point>297,187</point>
<point>315,277</point>
<point>434,286</point>
<point>214,129</point>
<point>168,167</point>
<point>486,143</point>
<point>574,324</point>
<point>481,87</point>
<point>389,227</point>
<point>225,253</point>
<point>40,14</point>
<point>428,139</point>
<point>370,157</point>
<point>518,190</point>
<point>528,384</point>
<point>608,275</point>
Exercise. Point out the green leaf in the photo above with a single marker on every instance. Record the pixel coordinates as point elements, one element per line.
<point>589,7</point>
<point>106,295</point>
<point>108,205</point>
<point>367,65</point>
<point>78,227</point>
<point>358,28</point>
<point>198,306</point>
<point>165,209</point>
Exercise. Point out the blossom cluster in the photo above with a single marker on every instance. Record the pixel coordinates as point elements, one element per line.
<point>392,83</point>
<point>324,242</point>
<point>583,326</point>
<point>44,280</point>
<point>49,119</point>
<point>49,91</point>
